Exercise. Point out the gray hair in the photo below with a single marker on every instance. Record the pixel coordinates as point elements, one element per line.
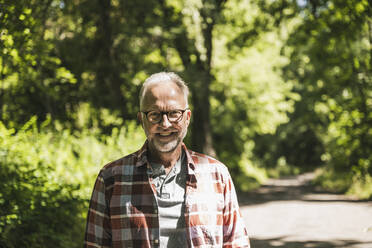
<point>164,77</point>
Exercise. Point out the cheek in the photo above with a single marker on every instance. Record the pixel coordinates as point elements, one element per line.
<point>149,129</point>
<point>184,125</point>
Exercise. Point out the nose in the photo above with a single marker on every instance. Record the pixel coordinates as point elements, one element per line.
<point>165,123</point>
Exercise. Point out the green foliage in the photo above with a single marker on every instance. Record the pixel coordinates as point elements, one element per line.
<point>32,204</point>
<point>330,63</point>
<point>341,75</point>
<point>277,87</point>
<point>283,168</point>
<point>355,184</point>
<point>47,178</point>
<point>250,97</point>
<point>30,69</point>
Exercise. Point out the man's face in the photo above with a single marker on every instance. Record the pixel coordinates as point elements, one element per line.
<point>164,136</point>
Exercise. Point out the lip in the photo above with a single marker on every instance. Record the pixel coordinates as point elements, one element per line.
<point>166,135</point>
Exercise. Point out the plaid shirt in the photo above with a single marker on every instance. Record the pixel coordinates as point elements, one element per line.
<point>123,209</point>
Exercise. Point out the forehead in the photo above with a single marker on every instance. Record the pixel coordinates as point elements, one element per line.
<point>164,94</point>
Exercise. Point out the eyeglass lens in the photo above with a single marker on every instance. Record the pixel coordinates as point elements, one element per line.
<point>173,116</point>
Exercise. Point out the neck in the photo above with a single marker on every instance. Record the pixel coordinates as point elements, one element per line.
<point>168,159</point>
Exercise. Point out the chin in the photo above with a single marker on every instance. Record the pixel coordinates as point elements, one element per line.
<point>168,147</point>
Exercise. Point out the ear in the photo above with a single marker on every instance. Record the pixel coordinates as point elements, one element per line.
<point>188,117</point>
<point>139,117</point>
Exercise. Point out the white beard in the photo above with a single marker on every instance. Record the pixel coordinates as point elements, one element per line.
<point>169,146</point>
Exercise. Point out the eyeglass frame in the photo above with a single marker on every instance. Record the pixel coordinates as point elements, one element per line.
<point>165,113</point>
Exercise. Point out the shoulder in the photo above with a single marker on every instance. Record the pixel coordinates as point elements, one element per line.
<point>204,160</point>
<point>207,164</point>
<point>122,166</point>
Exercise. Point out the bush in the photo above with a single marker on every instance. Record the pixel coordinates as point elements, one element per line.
<point>47,177</point>
<point>41,211</point>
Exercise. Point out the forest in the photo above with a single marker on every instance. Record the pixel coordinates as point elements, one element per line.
<point>277,88</point>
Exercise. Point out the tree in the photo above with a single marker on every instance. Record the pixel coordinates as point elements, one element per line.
<point>30,70</point>
<point>330,54</point>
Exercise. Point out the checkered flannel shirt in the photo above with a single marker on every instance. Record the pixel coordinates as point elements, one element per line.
<point>123,210</point>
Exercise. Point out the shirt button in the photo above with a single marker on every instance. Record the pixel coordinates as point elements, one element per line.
<point>165,195</point>
<point>155,211</point>
<point>156,241</point>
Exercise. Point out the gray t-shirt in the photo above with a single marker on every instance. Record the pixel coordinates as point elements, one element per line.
<point>170,196</point>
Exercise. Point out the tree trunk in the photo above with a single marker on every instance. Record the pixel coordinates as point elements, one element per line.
<point>201,137</point>
<point>107,72</point>
<point>198,72</point>
<point>201,127</point>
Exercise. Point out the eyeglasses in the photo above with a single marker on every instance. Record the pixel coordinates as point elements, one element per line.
<point>155,117</point>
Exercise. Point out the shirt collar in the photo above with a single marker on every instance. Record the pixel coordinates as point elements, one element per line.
<point>142,157</point>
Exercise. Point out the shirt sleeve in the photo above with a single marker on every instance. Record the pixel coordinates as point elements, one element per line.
<point>235,233</point>
<point>98,228</point>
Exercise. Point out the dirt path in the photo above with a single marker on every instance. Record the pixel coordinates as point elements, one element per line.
<point>290,213</point>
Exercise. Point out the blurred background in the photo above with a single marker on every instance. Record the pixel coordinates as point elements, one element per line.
<point>277,88</point>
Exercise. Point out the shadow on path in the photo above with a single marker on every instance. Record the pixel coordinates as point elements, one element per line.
<point>281,242</point>
<point>301,215</point>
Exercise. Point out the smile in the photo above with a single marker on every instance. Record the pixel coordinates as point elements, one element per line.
<point>166,134</point>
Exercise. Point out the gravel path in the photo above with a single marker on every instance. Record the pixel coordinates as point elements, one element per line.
<point>290,213</point>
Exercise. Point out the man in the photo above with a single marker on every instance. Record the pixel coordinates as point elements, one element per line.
<point>165,195</point>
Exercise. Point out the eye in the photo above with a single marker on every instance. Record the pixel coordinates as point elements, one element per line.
<point>174,114</point>
<point>154,115</point>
